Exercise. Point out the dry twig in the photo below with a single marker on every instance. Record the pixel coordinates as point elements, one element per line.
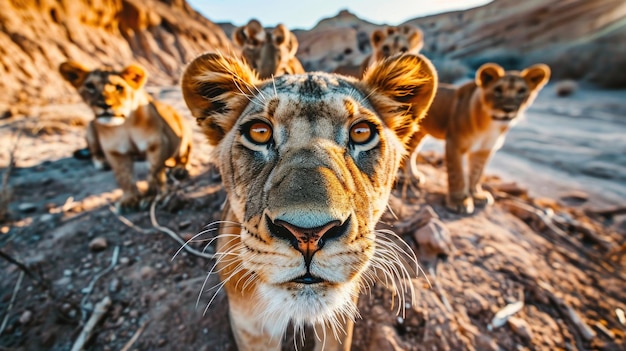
<point>85,334</point>
<point>132,340</point>
<point>5,193</point>
<point>92,283</point>
<point>127,222</point>
<point>15,290</point>
<point>175,236</point>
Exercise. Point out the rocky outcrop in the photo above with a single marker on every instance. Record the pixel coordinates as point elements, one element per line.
<point>36,36</point>
<point>579,39</point>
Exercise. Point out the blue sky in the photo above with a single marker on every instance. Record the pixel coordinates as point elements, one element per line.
<point>305,14</point>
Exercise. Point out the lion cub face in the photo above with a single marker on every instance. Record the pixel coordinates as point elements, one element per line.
<point>268,52</point>
<point>506,93</point>
<point>112,95</point>
<point>308,162</point>
<point>396,40</point>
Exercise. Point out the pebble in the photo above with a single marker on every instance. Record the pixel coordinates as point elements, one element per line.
<point>98,244</point>
<point>147,272</point>
<point>124,260</point>
<point>520,327</point>
<point>27,207</point>
<point>115,285</point>
<point>26,317</point>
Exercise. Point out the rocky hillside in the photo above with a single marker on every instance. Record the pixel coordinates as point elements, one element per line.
<point>36,36</point>
<point>512,32</point>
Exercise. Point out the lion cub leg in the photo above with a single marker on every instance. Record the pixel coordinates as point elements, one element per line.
<point>156,174</point>
<point>458,199</point>
<point>122,165</point>
<point>93,144</point>
<point>477,162</point>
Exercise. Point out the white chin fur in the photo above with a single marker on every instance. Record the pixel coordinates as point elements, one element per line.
<point>306,306</point>
<point>111,121</point>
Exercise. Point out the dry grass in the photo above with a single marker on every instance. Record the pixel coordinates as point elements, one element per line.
<point>52,125</point>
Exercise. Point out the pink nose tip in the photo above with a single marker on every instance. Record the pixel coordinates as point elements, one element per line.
<point>308,240</point>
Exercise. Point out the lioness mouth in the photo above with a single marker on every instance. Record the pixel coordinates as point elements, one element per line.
<point>308,278</point>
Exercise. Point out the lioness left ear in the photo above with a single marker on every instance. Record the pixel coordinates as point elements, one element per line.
<point>536,76</point>
<point>135,75</point>
<point>216,89</point>
<point>403,87</point>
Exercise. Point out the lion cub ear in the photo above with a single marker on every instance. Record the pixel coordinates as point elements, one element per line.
<point>135,75</point>
<point>216,89</point>
<point>282,36</point>
<point>73,72</point>
<point>536,76</point>
<point>377,37</point>
<point>488,73</point>
<point>403,87</point>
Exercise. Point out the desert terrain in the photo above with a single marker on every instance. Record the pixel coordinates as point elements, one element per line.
<point>541,269</point>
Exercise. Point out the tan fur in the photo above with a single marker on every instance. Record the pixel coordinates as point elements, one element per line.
<point>297,238</point>
<point>270,53</point>
<point>129,124</point>
<point>473,119</point>
<point>391,41</point>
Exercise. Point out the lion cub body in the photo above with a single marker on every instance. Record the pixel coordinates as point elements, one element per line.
<point>473,119</point>
<point>130,125</point>
<point>305,161</point>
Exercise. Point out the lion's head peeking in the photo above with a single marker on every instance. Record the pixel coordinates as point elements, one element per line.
<point>308,162</point>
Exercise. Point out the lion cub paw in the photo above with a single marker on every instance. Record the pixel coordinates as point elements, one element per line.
<point>482,198</point>
<point>460,205</point>
<point>128,204</point>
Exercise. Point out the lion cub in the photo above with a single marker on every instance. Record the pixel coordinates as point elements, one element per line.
<point>474,119</point>
<point>391,41</point>
<point>270,53</point>
<point>128,125</point>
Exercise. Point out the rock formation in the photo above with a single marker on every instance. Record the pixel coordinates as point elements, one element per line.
<point>36,36</point>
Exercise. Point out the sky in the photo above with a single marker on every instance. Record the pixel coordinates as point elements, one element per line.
<point>301,14</point>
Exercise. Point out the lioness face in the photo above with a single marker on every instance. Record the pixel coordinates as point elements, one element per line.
<point>506,94</point>
<point>110,94</point>
<point>308,163</point>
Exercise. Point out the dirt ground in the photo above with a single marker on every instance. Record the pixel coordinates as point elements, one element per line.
<point>551,258</point>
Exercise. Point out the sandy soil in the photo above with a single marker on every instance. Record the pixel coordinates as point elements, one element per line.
<point>561,267</point>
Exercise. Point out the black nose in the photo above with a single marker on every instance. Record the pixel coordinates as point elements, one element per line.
<point>308,240</point>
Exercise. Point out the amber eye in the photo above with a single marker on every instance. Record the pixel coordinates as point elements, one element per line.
<point>361,133</point>
<point>259,132</point>
<point>119,88</point>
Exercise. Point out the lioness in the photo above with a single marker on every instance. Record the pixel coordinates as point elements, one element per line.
<point>473,119</point>
<point>308,162</point>
<point>391,41</point>
<point>270,53</point>
<point>129,124</point>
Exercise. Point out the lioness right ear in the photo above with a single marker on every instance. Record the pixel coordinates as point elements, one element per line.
<point>377,37</point>
<point>402,89</point>
<point>239,36</point>
<point>73,72</point>
<point>216,89</point>
<point>488,73</point>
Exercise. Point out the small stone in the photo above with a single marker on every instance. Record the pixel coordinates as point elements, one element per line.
<point>46,217</point>
<point>520,327</point>
<point>124,260</point>
<point>184,224</point>
<point>133,314</point>
<point>484,342</point>
<point>147,272</point>
<point>26,317</point>
<point>115,285</point>
<point>98,244</point>
<point>433,240</point>
<point>161,342</point>
<point>26,207</point>
<point>67,273</point>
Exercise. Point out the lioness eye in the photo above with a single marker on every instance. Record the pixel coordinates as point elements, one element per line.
<point>361,133</point>
<point>521,91</point>
<point>90,86</point>
<point>119,87</point>
<point>259,132</point>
